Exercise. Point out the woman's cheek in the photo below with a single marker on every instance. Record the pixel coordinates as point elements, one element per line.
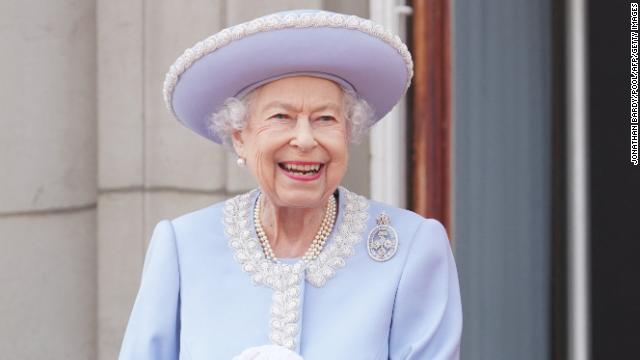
<point>339,161</point>
<point>334,137</point>
<point>263,170</point>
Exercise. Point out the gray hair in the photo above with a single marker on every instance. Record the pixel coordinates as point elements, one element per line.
<point>233,116</point>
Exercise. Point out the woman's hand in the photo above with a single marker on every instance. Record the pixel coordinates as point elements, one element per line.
<point>268,352</point>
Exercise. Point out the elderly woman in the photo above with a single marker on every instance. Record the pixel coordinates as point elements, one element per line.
<point>300,267</point>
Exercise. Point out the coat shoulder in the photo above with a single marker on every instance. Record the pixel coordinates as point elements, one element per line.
<point>205,217</point>
<point>399,217</point>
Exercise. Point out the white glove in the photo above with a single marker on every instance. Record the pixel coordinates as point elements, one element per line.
<point>268,352</point>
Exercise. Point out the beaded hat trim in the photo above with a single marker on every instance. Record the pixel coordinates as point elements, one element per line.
<point>275,22</point>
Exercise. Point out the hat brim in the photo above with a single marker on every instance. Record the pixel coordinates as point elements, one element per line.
<point>371,66</point>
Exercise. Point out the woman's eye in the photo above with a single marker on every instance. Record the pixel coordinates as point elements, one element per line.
<point>326,118</point>
<point>280,116</point>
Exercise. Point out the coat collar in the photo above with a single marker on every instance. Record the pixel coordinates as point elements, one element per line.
<point>347,232</point>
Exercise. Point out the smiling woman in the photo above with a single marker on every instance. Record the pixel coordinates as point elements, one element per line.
<point>273,273</point>
<point>294,123</point>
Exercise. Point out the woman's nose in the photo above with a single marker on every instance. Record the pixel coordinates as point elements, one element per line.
<point>303,137</point>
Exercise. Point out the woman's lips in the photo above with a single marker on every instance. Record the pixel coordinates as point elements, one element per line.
<point>301,170</point>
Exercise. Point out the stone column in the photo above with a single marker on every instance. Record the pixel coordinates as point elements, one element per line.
<point>48,188</point>
<point>120,174</point>
<point>151,167</point>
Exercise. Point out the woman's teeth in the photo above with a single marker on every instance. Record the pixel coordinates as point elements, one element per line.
<point>301,169</point>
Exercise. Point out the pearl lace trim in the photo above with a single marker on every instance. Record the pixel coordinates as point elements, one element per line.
<point>283,278</point>
<point>275,22</point>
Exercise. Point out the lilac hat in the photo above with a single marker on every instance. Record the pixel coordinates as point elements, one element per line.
<point>354,52</point>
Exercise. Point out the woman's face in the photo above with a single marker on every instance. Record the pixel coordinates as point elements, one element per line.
<point>295,141</point>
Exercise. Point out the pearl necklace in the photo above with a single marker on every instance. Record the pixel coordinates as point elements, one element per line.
<point>318,241</point>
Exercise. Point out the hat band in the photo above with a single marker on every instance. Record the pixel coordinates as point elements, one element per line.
<point>319,74</point>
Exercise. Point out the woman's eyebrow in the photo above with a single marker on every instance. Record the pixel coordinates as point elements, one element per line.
<point>278,104</point>
<point>291,107</point>
<point>331,106</point>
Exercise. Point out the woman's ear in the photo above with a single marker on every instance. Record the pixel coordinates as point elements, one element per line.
<point>238,142</point>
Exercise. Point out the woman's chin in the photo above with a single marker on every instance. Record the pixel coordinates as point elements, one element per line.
<point>301,198</point>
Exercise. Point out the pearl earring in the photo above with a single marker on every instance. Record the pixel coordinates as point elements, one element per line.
<point>241,162</point>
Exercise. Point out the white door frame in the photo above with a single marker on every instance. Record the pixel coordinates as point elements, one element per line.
<point>388,139</point>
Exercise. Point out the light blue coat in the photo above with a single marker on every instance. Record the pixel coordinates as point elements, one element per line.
<point>208,293</point>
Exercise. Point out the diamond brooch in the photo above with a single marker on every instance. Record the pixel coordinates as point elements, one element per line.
<point>383,239</point>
